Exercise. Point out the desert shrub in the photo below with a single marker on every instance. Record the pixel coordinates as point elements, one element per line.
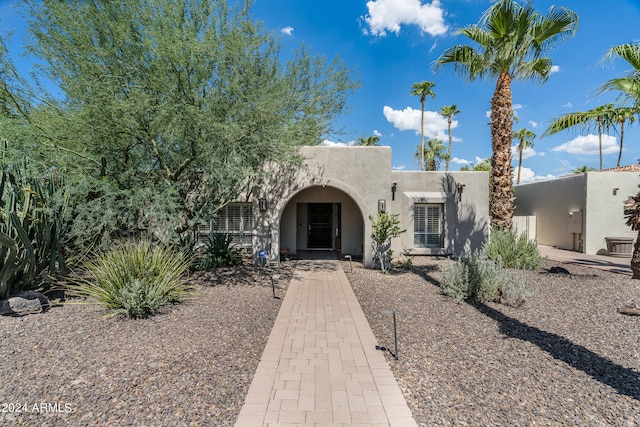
<point>512,251</point>
<point>474,276</point>
<point>514,291</point>
<point>219,251</point>
<point>384,228</point>
<point>135,280</point>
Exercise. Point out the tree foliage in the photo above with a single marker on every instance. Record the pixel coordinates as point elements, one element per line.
<point>166,110</point>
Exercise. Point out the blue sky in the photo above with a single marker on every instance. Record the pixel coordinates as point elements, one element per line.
<point>393,43</point>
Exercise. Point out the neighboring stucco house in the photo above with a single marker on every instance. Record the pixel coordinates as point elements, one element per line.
<point>325,204</point>
<point>579,212</point>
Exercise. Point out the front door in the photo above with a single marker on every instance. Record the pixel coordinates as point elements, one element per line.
<point>319,225</point>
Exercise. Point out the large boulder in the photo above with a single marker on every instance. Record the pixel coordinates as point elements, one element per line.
<point>27,302</point>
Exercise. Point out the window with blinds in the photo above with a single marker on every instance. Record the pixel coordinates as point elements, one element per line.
<point>427,225</point>
<point>235,219</point>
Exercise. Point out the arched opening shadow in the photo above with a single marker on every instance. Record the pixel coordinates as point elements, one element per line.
<point>625,380</point>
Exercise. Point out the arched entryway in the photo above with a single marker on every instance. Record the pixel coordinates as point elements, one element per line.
<point>322,219</point>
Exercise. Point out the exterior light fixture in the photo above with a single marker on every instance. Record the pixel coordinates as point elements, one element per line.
<point>262,204</point>
<point>394,187</point>
<point>382,205</point>
<point>615,191</point>
<point>395,330</point>
<point>349,258</point>
<point>460,188</point>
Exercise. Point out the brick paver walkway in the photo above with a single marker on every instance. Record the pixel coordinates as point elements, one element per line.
<point>320,365</point>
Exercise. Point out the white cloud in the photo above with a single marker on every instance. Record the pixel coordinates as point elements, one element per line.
<point>526,153</point>
<point>589,145</point>
<point>329,143</point>
<point>287,30</point>
<point>461,161</point>
<point>528,175</point>
<point>533,124</point>
<point>389,15</point>
<point>435,126</point>
<point>377,132</point>
<point>554,69</point>
<point>567,105</point>
<point>399,168</point>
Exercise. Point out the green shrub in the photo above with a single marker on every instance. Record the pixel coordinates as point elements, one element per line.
<point>474,276</point>
<point>135,280</point>
<point>32,249</point>
<point>384,228</point>
<point>219,251</point>
<point>512,251</point>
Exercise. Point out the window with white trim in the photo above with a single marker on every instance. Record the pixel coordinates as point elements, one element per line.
<point>235,219</point>
<point>427,225</point>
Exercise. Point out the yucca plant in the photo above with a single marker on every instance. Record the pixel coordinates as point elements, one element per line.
<point>632,215</point>
<point>134,280</point>
<point>219,251</point>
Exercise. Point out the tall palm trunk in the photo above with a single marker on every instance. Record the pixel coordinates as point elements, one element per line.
<point>422,135</point>
<point>450,141</point>
<point>600,138</point>
<point>621,138</point>
<point>520,161</point>
<point>501,203</point>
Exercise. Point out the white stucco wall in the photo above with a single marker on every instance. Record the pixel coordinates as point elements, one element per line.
<point>550,202</point>
<point>597,211</point>
<point>605,216</point>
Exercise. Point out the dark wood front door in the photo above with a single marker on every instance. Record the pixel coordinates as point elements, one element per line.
<point>319,225</point>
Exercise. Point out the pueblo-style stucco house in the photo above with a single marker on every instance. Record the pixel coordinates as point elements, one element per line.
<point>325,205</point>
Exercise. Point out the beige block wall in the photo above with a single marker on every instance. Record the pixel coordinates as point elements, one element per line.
<point>597,211</point>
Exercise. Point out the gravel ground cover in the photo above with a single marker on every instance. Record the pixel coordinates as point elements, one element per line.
<point>190,365</point>
<point>565,358</point>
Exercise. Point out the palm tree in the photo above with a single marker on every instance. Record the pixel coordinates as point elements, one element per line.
<point>513,40</point>
<point>601,117</point>
<point>449,112</point>
<point>422,89</point>
<point>368,141</point>
<point>525,136</point>
<point>632,215</point>
<point>622,115</point>
<point>434,152</point>
<point>630,84</point>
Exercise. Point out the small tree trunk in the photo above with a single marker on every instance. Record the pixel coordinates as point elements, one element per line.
<point>635,258</point>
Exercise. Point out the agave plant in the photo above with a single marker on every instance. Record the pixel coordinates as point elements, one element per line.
<point>632,215</point>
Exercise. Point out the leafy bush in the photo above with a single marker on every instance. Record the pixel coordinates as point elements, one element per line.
<point>474,276</point>
<point>219,251</point>
<point>135,280</point>
<point>512,251</point>
<point>384,228</point>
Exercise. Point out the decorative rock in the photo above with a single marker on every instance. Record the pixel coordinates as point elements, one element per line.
<point>27,302</point>
<point>631,309</point>
<point>559,270</point>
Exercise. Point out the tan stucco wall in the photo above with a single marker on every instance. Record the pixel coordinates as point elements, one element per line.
<point>466,214</point>
<point>590,197</point>
<point>358,177</point>
<point>605,216</point>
